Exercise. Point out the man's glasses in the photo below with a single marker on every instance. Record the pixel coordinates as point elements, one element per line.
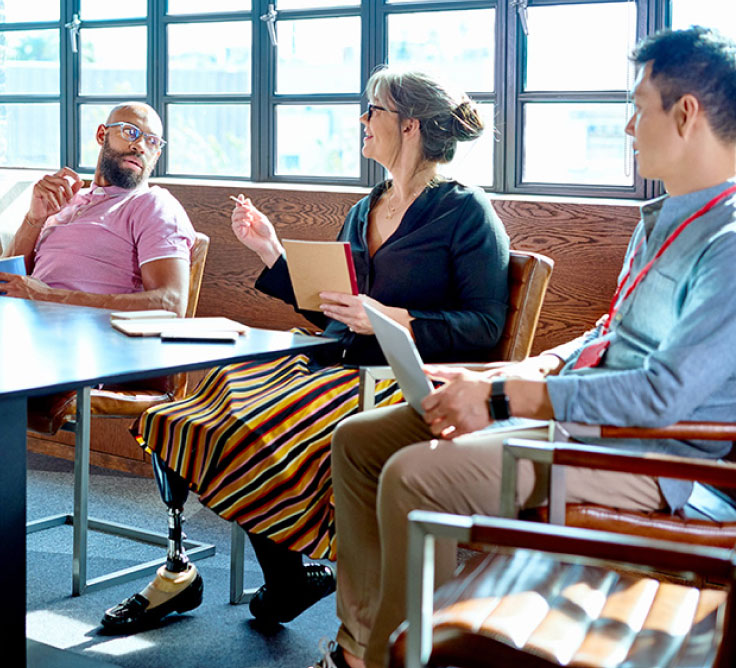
<point>376,107</point>
<point>130,133</point>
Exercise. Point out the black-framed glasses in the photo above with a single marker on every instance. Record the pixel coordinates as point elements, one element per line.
<point>131,132</point>
<point>377,107</point>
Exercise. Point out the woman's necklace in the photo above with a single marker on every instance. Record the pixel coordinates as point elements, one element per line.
<point>391,208</point>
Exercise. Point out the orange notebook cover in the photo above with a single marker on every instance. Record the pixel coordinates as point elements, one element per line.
<point>319,266</point>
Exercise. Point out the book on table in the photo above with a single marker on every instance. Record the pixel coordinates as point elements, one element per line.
<point>180,328</point>
<point>319,266</point>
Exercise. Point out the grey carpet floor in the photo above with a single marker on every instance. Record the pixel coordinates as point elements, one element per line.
<point>215,634</point>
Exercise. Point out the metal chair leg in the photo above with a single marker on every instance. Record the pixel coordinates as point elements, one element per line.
<point>81,521</point>
<point>238,595</point>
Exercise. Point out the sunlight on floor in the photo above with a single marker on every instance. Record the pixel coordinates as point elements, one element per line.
<point>66,633</point>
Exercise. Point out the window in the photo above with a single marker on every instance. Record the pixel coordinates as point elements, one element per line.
<point>272,91</point>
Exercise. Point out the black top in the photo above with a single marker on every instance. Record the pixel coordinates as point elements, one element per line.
<point>446,263</point>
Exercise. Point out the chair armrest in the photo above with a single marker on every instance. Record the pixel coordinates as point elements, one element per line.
<point>706,431</point>
<point>559,455</point>
<point>710,471</point>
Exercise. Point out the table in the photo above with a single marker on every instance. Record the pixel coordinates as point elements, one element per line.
<point>47,348</point>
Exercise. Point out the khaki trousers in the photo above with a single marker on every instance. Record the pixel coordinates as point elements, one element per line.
<point>386,463</point>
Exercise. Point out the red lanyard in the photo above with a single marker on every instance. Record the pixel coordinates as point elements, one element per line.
<point>645,270</point>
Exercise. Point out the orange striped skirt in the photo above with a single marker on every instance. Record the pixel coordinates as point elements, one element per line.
<point>253,441</point>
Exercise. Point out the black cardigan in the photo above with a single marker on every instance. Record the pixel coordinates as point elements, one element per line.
<point>446,263</point>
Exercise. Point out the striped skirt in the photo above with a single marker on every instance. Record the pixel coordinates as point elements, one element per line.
<point>253,441</point>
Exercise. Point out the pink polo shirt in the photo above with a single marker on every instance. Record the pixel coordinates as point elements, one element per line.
<point>100,240</point>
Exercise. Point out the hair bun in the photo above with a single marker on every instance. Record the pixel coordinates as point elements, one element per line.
<point>466,121</point>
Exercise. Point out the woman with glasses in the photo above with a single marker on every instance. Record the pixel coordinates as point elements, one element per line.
<point>254,439</point>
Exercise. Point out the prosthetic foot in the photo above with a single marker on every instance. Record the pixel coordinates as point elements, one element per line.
<point>177,586</point>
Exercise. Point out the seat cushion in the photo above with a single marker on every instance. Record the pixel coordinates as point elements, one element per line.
<point>529,609</point>
<point>46,415</point>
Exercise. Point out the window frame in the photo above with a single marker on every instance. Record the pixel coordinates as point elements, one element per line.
<point>507,95</point>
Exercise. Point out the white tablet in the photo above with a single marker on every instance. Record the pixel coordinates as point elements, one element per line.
<point>401,353</point>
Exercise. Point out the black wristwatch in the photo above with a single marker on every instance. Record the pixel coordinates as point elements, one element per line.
<point>498,402</point>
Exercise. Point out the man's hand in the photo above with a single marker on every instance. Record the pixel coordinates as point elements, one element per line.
<point>460,406</point>
<point>23,287</point>
<point>51,194</point>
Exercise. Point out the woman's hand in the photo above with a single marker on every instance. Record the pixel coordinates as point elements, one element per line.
<point>349,310</point>
<point>255,231</point>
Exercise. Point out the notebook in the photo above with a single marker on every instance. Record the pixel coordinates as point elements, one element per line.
<point>402,355</point>
<point>180,326</point>
<point>319,266</point>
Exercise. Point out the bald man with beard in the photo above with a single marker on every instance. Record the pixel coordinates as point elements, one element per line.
<point>121,244</point>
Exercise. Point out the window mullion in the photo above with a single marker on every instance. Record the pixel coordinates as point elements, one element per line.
<point>69,118</point>
<point>263,109</point>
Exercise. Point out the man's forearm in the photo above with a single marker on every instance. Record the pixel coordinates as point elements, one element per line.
<point>159,298</point>
<point>24,241</point>
<point>529,398</point>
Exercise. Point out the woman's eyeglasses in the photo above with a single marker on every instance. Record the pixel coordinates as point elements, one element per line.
<point>130,133</point>
<point>376,107</point>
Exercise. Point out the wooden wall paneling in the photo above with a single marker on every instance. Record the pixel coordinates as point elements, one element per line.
<point>232,269</point>
<point>586,241</point>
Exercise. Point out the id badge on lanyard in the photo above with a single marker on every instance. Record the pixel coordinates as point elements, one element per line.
<point>592,355</point>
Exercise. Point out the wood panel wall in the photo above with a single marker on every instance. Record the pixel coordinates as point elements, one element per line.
<point>587,242</point>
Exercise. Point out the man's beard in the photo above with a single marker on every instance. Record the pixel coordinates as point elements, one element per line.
<point>123,177</point>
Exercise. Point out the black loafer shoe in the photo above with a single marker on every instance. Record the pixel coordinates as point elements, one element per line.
<point>277,606</point>
<point>133,615</point>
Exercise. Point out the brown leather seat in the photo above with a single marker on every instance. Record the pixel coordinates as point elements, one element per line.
<point>48,414</point>
<point>529,275</point>
<point>550,602</point>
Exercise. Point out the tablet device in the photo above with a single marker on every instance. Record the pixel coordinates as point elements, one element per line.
<point>401,353</point>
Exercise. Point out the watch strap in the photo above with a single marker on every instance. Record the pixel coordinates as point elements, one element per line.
<point>498,402</point>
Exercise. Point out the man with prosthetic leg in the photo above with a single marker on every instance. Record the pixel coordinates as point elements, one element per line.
<point>178,576</point>
<point>122,245</point>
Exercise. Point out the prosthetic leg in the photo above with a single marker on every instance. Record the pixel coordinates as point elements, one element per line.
<point>177,586</point>
<point>174,492</point>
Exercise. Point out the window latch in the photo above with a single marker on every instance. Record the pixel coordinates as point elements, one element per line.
<point>269,18</point>
<point>73,28</point>
<point>522,11</point>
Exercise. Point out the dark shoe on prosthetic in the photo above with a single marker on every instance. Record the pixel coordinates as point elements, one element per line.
<point>277,606</point>
<point>133,615</point>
